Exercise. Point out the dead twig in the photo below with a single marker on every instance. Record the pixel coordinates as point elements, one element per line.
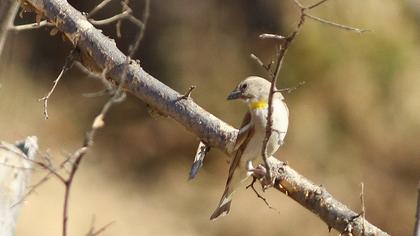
<point>117,97</point>
<point>31,26</point>
<point>142,26</point>
<point>67,65</point>
<point>341,26</point>
<point>98,7</point>
<point>251,185</point>
<point>92,231</point>
<point>123,15</point>
<point>291,89</point>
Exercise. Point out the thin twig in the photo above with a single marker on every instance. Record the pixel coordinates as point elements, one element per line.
<point>316,4</point>
<point>145,17</point>
<point>98,7</point>
<point>78,155</point>
<point>31,26</point>
<point>291,89</point>
<point>124,5</point>
<point>327,22</point>
<point>260,63</point>
<point>101,230</point>
<point>33,188</point>
<point>67,65</point>
<point>282,47</point>
<point>136,21</point>
<point>123,15</point>
<point>51,172</point>
<point>251,185</point>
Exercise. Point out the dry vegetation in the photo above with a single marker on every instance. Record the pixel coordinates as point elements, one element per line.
<point>356,120</point>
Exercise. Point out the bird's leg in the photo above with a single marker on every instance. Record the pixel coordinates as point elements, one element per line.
<point>260,172</point>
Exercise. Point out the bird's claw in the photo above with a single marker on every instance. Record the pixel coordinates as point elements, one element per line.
<point>260,172</point>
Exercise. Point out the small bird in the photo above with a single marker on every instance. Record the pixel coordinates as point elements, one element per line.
<point>254,91</point>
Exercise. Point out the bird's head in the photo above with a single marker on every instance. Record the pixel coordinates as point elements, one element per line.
<point>253,90</point>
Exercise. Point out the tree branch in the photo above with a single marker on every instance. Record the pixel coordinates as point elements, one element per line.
<point>8,9</point>
<point>103,52</point>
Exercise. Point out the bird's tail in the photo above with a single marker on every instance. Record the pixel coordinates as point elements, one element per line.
<point>224,206</point>
<point>235,180</point>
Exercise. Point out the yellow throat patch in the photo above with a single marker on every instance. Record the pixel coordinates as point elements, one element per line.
<point>258,105</point>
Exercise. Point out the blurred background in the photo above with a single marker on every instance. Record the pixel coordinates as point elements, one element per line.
<point>356,120</point>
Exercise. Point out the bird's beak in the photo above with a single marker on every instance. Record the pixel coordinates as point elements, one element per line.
<point>235,94</point>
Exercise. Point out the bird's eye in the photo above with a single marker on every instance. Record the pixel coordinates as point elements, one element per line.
<point>243,86</point>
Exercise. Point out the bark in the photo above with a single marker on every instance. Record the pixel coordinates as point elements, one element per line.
<point>8,9</point>
<point>15,170</point>
<point>101,52</point>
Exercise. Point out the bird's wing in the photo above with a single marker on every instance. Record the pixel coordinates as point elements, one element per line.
<point>243,130</point>
<point>244,135</point>
<point>235,176</point>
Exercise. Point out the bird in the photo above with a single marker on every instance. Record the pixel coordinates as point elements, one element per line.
<point>254,91</point>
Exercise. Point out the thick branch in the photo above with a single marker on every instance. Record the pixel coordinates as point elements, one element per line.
<point>105,54</point>
<point>214,132</point>
<point>8,9</point>
<point>316,199</point>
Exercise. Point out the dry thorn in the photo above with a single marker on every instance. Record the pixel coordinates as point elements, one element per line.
<point>187,95</point>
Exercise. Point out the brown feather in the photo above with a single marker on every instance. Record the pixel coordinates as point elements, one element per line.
<point>243,133</point>
<point>242,140</point>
